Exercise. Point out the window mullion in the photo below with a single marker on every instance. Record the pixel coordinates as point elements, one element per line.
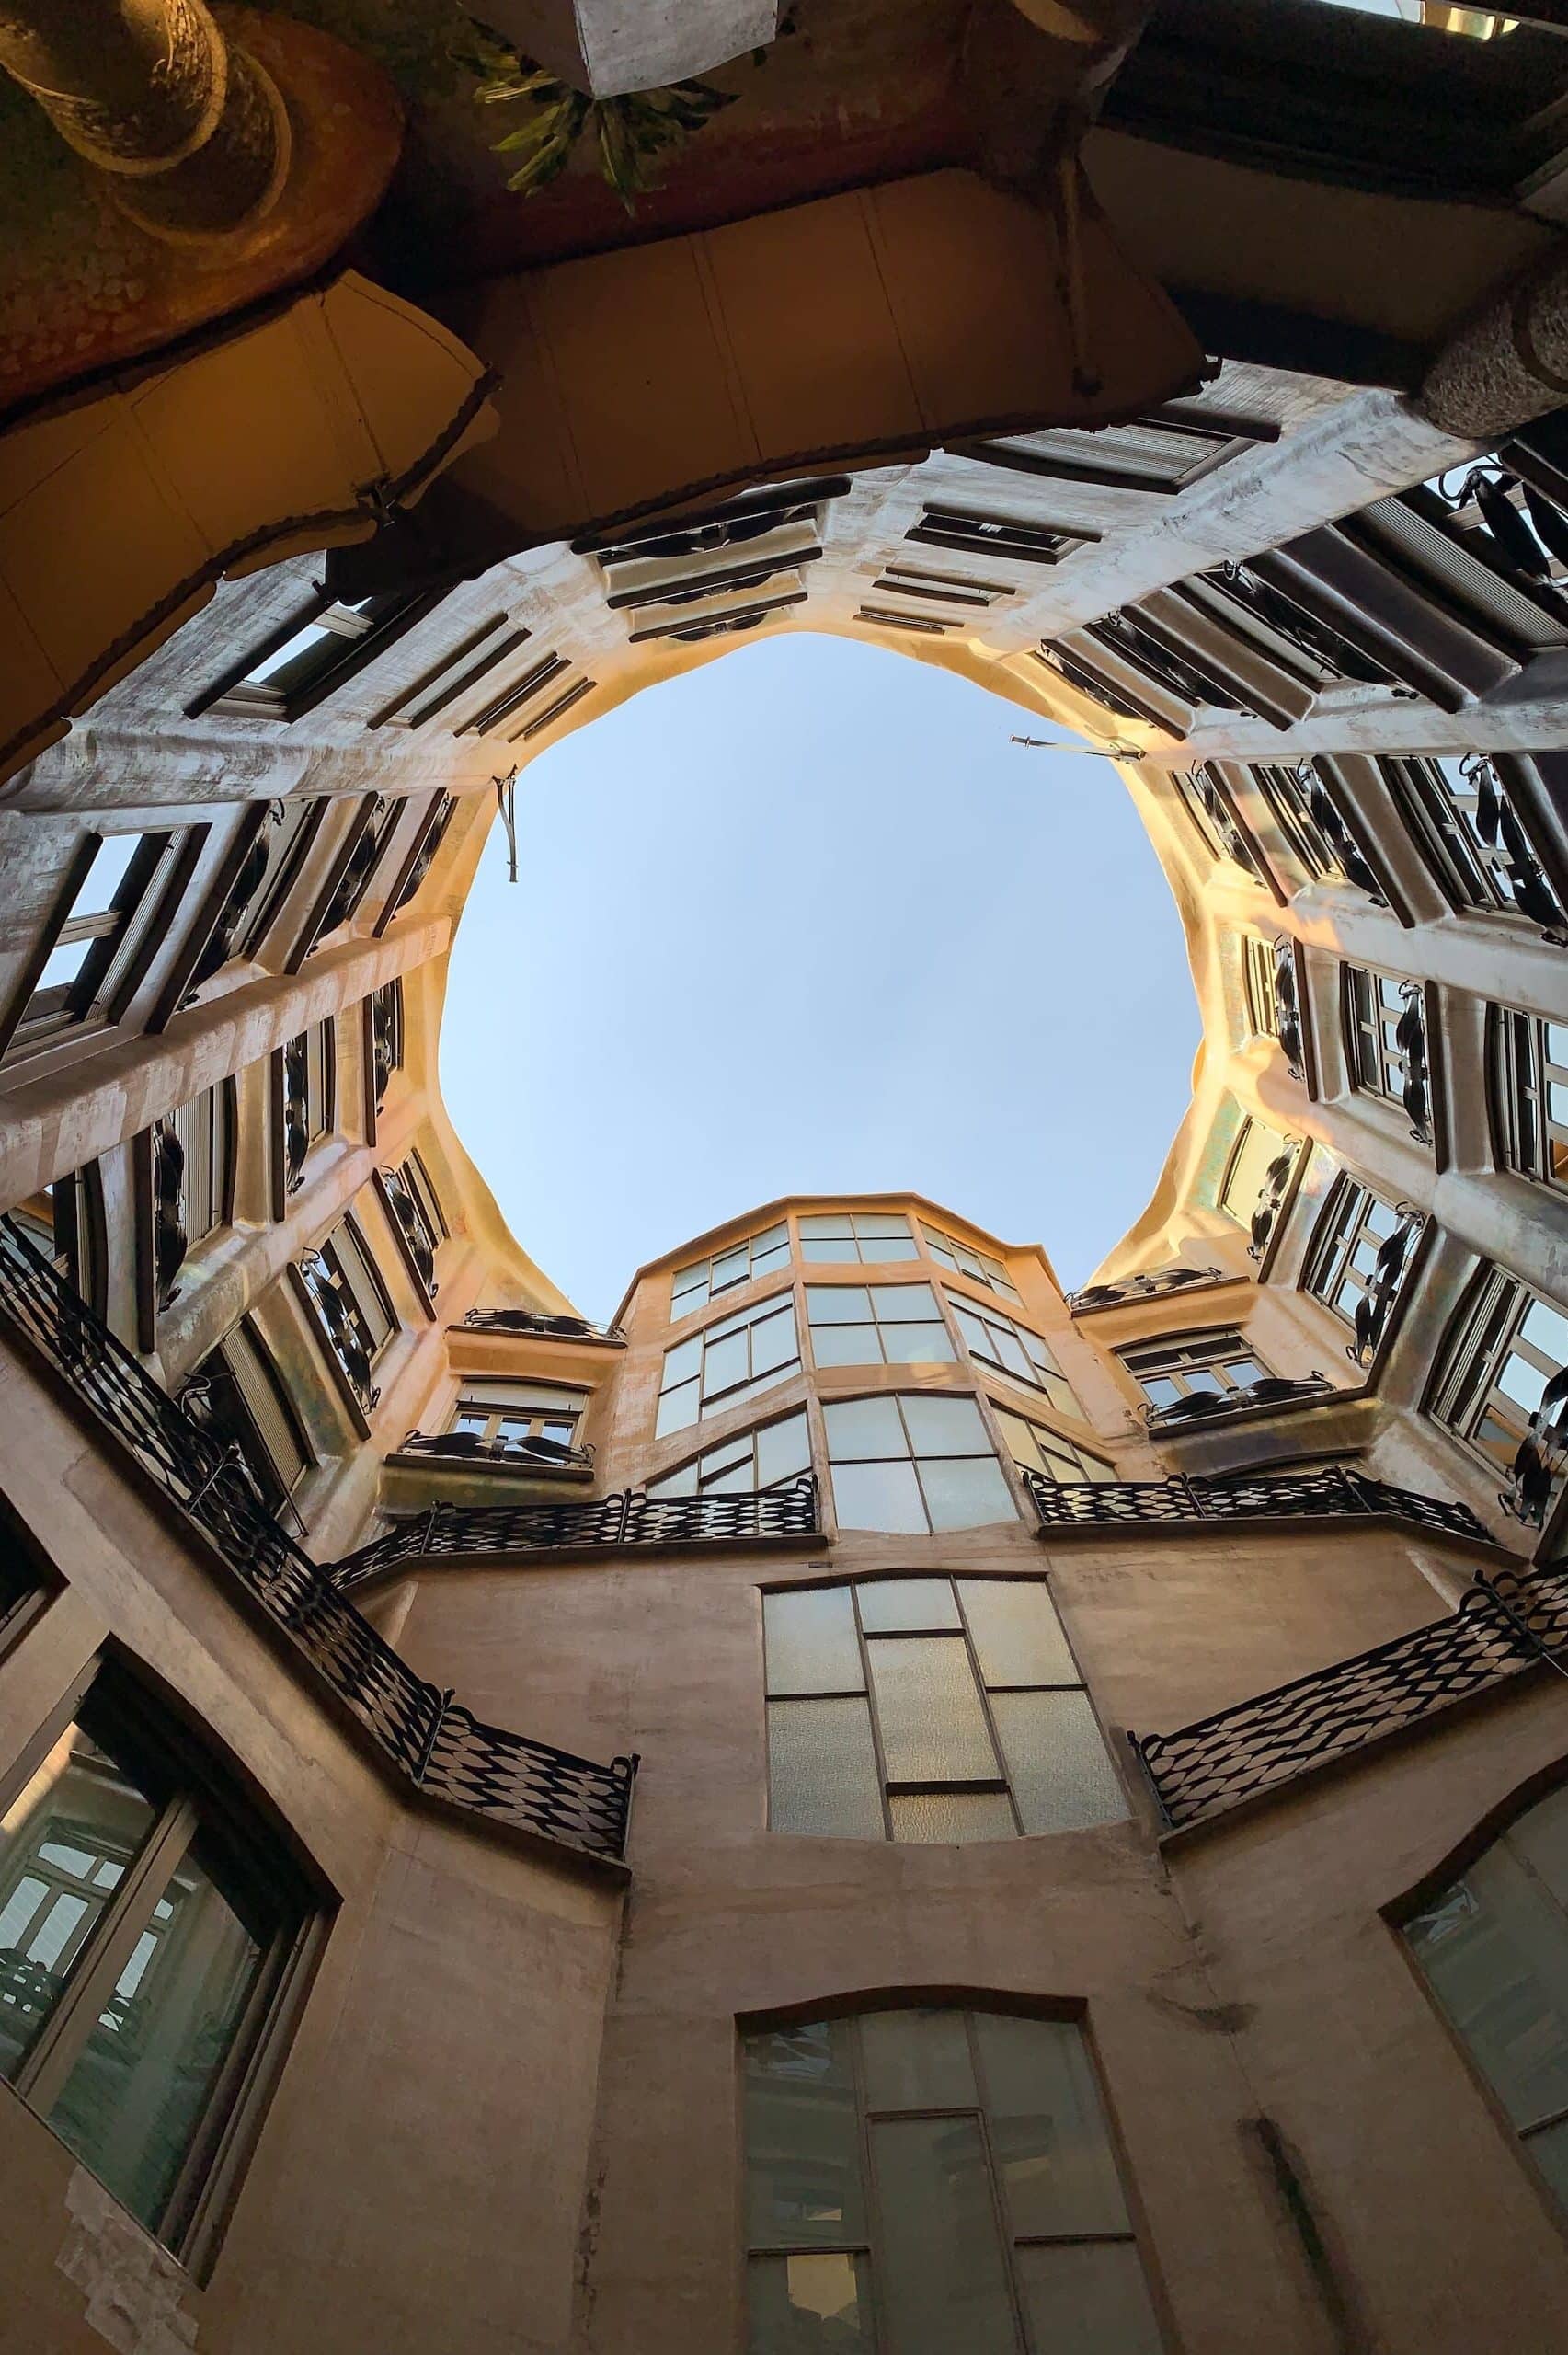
<point>1002,1776</point>
<point>877,1752</point>
<point>42,2076</point>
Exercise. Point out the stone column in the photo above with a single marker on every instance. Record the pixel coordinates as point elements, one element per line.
<point>193,134</point>
<point>1508,363</point>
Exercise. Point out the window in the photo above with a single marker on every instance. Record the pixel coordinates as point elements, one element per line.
<point>1356,1226</point>
<point>870,1236</point>
<point>770,1457</point>
<point>1162,452</point>
<point>92,953</point>
<point>308,1078</point>
<point>754,1254</point>
<point>876,1324</point>
<point>66,1222</point>
<point>964,1260</point>
<point>1288,794</point>
<point>929,1709</point>
<point>1531,1070</point>
<point>1493,1946</point>
<point>147,1926</point>
<point>935,2181</point>
<point>996,1340</point>
<point>719,1367</point>
<point>499,1415</point>
<point>204,1129</point>
<point>912,1461</point>
<point>270,869</point>
<point>1197,1365</point>
<point>1025,540</point>
<point>1045,1452</point>
<point>1503,1382</point>
<point>1467,824</point>
<point>1380,1014</point>
<point>1257,1150</point>
<point>1257,968</point>
<point>238,1395</point>
<point>386,1036</point>
<point>418,1181</point>
<point>353,1309</point>
<point>1208,807</point>
<point>322,647</point>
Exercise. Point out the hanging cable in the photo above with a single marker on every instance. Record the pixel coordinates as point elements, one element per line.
<point>505,789</point>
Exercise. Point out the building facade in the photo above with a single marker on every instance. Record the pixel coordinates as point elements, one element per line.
<point>870,1803</point>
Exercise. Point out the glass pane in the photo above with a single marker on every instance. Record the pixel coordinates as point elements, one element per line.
<point>111,862</point>
<point>1057,1763</point>
<point>887,1248</point>
<point>824,1250</point>
<point>727,1361</point>
<point>62,964</point>
<point>1548,1330</point>
<point>810,1641</point>
<point>916,2061</point>
<point>845,1345</point>
<point>1541,1839</point>
<point>945,1427</point>
<point>838,1303</point>
<point>933,1728</point>
<point>1496,1949</point>
<point>731,1268</point>
<point>903,1304</point>
<point>783,1450</point>
<point>682,1362</point>
<point>945,2282</point>
<point>892,1606</point>
<point>1017,1636</point>
<point>826,1222</point>
<point>918,1345</point>
<point>1088,2301</point>
<point>879,1495</point>
<point>1046,2127</point>
<point>304,642</point>
<point>64,1843</point>
<point>966,1494</point>
<point>774,1343</point>
<point>822,1778</point>
<point>881,1223</point>
<point>944,1818</point>
<point>1550,2152</point>
<point>810,2305</point>
<point>801,2142</point>
<point>677,1408</point>
<point>135,2097</point>
<point>861,1427</point>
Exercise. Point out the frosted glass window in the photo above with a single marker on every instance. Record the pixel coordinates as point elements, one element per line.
<point>728,1362</point>
<point>915,1461</point>
<point>970,2119</point>
<point>1010,1348</point>
<point>737,1263</point>
<point>769,1457</point>
<point>1493,1946</point>
<point>876,1325</point>
<point>1046,1453</point>
<point>964,1261</point>
<point>976,1725</point>
<point>130,2000</point>
<point>872,1237</point>
<point>1256,1149</point>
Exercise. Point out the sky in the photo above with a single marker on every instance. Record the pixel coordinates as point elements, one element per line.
<point>804,920</point>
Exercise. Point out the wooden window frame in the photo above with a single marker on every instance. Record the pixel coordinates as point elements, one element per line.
<point>364,636</point>
<point>124,939</point>
<point>1527,1137</point>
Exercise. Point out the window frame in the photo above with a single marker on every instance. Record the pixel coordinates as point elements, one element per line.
<point>1334,1242</point>
<point>1174,1357</point>
<point>204,1794</point>
<point>875,1321</point>
<point>749,1384</point>
<point>665,1484</point>
<point>1371,1003</point>
<point>1486,1335</point>
<point>122,941</point>
<point>946,1250</point>
<point>809,1222</point>
<point>912,1457</point>
<point>1526,1136</point>
<point>1045,1377</point>
<point>236,1424</point>
<point>684,1301</point>
<point>362,639</point>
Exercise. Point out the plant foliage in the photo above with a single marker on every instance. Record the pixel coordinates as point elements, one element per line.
<point>633,132</point>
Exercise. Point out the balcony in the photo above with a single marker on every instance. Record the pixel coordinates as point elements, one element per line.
<point>1156,1285</point>
<point>538,1326</point>
<point>1504,1623</point>
<point>627,1520</point>
<point>427,1738</point>
<point>1331,1493</point>
<point>541,1458</point>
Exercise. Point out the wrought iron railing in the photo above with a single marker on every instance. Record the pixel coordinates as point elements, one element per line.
<point>533,1321</point>
<point>1152,1286</point>
<point>1505,1621</point>
<point>1271,1198</point>
<point>529,1455</point>
<point>1279,1496</point>
<point>627,1519</point>
<point>432,1741</point>
<point>1214,1406</point>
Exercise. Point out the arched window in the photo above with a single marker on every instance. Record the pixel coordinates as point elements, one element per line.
<point>935,2180</point>
<point>1493,1946</point>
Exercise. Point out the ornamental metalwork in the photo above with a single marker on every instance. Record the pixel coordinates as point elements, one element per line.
<point>1287,1025</point>
<point>1409,1037</point>
<point>1330,821</point>
<point>1333,1492</point>
<point>1506,1622</point>
<point>428,1737</point>
<point>1374,1310</point>
<point>1152,1286</point>
<point>1271,1199</point>
<point>1227,832</point>
<point>412,1226</point>
<point>1515,528</point>
<point>538,1326</point>
<point>628,1518</point>
<point>358,869</point>
<point>530,1453</point>
<point>1514,864</point>
<point>1541,1458</point>
<point>386,1036</point>
<point>1212,1405</point>
<point>170,1240</point>
<point>1322,647</point>
<point>223,939</point>
<point>296,1111</point>
<point>342,1325</point>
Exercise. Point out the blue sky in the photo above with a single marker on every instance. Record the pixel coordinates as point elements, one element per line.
<point>804,922</point>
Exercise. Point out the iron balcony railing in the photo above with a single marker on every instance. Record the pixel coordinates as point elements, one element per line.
<point>1505,1623</point>
<point>627,1519</point>
<point>1280,1495</point>
<point>437,1744</point>
<point>535,1323</point>
<point>534,1453</point>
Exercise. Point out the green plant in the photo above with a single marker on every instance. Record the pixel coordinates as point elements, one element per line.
<point>633,132</point>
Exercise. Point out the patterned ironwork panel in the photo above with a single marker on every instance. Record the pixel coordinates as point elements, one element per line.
<point>1266,1497</point>
<point>628,1518</point>
<point>1261,1745</point>
<point>497,1773</point>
